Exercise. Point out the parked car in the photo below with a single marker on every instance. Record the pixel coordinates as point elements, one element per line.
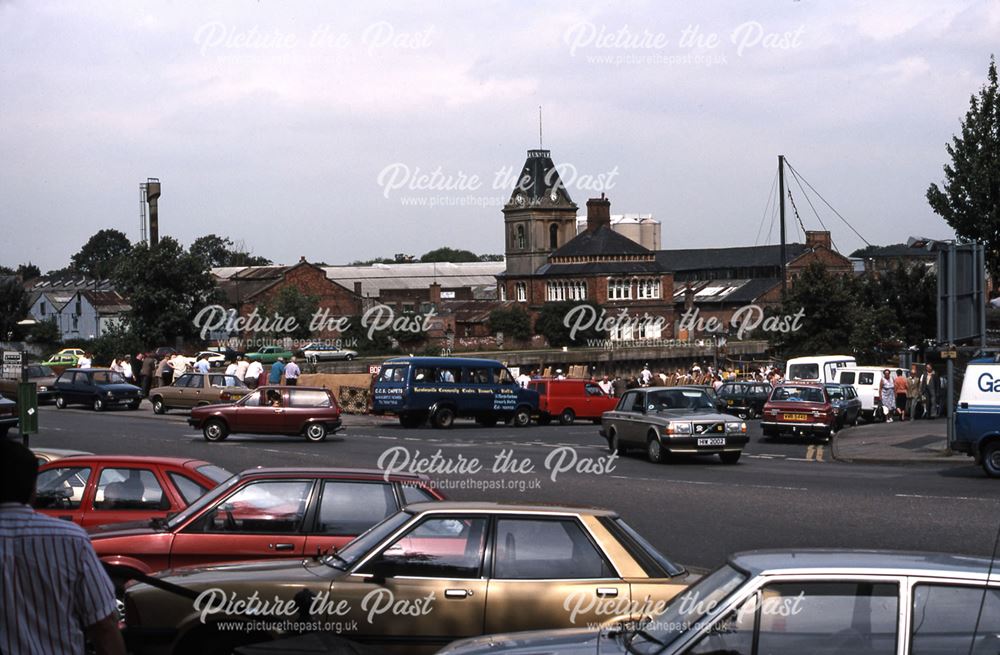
<point>320,352</point>
<point>442,389</point>
<point>673,421</point>
<point>866,381</point>
<point>61,361</point>
<point>309,411</point>
<point>8,416</point>
<point>800,408</point>
<point>43,377</point>
<point>487,566</point>
<point>215,359</point>
<point>569,400</point>
<point>821,368</point>
<point>197,389</point>
<point>744,399</point>
<point>977,430</point>
<point>99,388</point>
<point>97,489</point>
<point>264,514</point>
<point>270,354</point>
<point>77,352</point>
<point>797,602</point>
<point>845,401</point>
<point>46,455</point>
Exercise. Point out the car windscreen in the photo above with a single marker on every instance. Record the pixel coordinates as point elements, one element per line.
<point>678,399</point>
<point>803,372</point>
<point>798,394</point>
<point>363,543</point>
<point>181,517</point>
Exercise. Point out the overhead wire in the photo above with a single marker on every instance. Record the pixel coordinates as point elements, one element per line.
<point>811,206</point>
<point>820,196</point>
<point>770,199</point>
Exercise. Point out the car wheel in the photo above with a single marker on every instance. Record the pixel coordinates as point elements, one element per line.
<point>98,404</point>
<point>444,418</point>
<point>315,432</point>
<point>349,358</point>
<point>60,402</point>
<point>522,417</point>
<point>544,419</point>
<point>654,450</point>
<point>991,459</point>
<point>567,417</point>
<point>158,406</point>
<point>730,457</point>
<point>215,430</point>
<point>615,445</point>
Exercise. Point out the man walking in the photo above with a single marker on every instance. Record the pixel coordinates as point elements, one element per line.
<point>277,369</point>
<point>55,591</point>
<point>929,391</point>
<point>254,371</point>
<point>913,392</point>
<point>292,373</point>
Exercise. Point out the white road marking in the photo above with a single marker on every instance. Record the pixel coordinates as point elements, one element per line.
<point>989,500</point>
<point>704,483</point>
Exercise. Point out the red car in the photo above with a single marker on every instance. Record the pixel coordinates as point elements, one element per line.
<point>799,408</point>
<point>97,489</point>
<point>264,513</point>
<point>571,399</point>
<point>309,411</point>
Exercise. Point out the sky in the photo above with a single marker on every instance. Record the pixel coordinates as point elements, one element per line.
<point>342,131</point>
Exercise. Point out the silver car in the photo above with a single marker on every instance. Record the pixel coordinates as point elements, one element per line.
<point>671,421</point>
<point>798,602</point>
<point>318,352</point>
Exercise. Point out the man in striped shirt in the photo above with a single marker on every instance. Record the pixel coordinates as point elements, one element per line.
<point>54,589</point>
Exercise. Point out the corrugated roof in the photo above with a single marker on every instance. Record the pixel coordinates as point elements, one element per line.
<point>416,276</point>
<point>738,257</point>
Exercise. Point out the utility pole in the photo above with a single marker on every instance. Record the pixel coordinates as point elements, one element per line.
<point>781,215</point>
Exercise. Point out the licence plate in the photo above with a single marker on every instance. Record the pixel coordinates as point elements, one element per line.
<point>796,417</point>
<point>713,441</point>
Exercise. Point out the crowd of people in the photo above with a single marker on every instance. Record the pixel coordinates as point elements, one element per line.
<point>910,396</point>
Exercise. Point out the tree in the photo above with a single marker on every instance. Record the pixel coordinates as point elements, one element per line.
<point>13,305</point>
<point>551,324</point>
<point>28,272</point>
<point>356,338</point>
<point>970,199</point>
<point>221,251</point>
<point>828,303</point>
<point>166,287</point>
<point>45,332</point>
<point>102,253</point>
<point>446,254</point>
<point>290,302</point>
<point>512,321</point>
<point>490,257</point>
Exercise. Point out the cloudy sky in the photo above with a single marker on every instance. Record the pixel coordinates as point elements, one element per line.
<point>336,133</point>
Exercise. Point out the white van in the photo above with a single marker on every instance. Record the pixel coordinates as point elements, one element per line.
<point>865,380</point>
<point>977,417</point>
<point>822,368</point>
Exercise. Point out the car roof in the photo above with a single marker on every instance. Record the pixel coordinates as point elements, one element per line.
<point>290,386</point>
<point>862,561</point>
<point>329,472</point>
<point>92,369</point>
<point>133,459</point>
<point>804,383</point>
<point>689,387</point>
<point>479,506</point>
<point>437,361</point>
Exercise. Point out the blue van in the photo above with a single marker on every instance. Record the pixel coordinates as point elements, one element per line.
<point>977,417</point>
<point>443,388</point>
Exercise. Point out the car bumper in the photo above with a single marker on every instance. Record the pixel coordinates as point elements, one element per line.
<point>797,428</point>
<point>195,422</point>
<point>689,445</point>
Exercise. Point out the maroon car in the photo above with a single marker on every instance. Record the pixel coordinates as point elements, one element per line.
<point>308,411</point>
<point>799,408</point>
<point>262,514</point>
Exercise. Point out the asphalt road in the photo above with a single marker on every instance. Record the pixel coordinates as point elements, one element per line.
<point>780,495</point>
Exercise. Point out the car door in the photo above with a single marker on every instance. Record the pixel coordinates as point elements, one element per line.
<point>549,573</point>
<point>343,509</point>
<point>633,426</point>
<point>257,520</point>
<point>178,394</point>
<point>435,569</point>
<point>126,493</point>
<point>254,415</point>
<point>62,491</point>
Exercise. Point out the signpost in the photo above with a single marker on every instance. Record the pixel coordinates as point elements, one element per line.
<point>12,364</point>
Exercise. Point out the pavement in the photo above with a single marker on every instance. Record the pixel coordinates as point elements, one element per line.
<point>899,442</point>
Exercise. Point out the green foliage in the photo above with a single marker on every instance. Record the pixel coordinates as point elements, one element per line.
<point>378,344</point>
<point>446,254</point>
<point>491,257</point>
<point>970,199</point>
<point>291,302</point>
<point>116,341</point>
<point>166,287</point>
<point>828,304</point>
<point>219,251</point>
<point>513,321</point>
<point>101,255</point>
<point>13,305</point>
<point>551,324</point>
<point>28,271</point>
<point>45,332</point>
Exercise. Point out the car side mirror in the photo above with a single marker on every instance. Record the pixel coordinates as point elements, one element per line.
<point>381,570</point>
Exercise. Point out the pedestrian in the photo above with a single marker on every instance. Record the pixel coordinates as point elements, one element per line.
<point>231,368</point>
<point>163,371</point>
<point>606,386</point>
<point>55,591</point>
<point>252,376</point>
<point>559,374</point>
<point>913,392</point>
<point>645,375</point>
<point>85,360</point>
<point>887,394</point>
<point>241,367</point>
<point>179,365</point>
<point>899,383</point>
<point>202,366</point>
<point>929,392</point>
<point>146,373</point>
<point>292,372</point>
<point>618,386</point>
<point>116,366</point>
<point>522,379</point>
<point>277,370</point>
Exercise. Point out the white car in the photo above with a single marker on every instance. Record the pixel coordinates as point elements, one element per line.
<point>318,352</point>
<point>866,380</point>
<point>215,359</point>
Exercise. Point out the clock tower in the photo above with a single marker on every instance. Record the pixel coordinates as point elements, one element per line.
<point>539,217</point>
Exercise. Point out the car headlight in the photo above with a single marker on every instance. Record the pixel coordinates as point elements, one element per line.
<point>736,426</point>
<point>43,388</point>
<point>678,428</point>
<point>111,394</point>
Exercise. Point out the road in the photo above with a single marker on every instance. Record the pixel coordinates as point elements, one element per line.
<point>780,495</point>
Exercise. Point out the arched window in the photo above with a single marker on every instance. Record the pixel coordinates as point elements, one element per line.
<point>519,237</point>
<point>553,236</point>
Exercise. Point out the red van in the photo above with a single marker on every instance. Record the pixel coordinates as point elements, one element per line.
<point>570,400</point>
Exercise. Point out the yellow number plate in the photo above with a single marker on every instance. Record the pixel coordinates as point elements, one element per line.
<point>796,417</point>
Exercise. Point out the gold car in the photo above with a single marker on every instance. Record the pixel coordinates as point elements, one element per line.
<point>425,576</point>
<point>197,389</point>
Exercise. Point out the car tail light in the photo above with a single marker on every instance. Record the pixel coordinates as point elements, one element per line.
<point>225,396</point>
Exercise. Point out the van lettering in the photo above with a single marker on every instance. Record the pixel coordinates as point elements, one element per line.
<point>988,383</point>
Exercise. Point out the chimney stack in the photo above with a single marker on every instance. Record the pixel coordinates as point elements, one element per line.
<point>819,238</point>
<point>152,197</point>
<point>434,293</point>
<point>357,289</point>
<point>598,213</point>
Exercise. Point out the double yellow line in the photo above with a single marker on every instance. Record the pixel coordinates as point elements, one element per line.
<point>814,453</point>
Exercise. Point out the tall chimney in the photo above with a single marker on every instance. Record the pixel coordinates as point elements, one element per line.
<point>598,213</point>
<point>152,196</point>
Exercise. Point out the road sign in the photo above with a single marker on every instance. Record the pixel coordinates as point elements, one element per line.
<point>949,354</point>
<point>961,293</point>
<point>27,407</point>
<point>374,369</point>
<point>11,365</point>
